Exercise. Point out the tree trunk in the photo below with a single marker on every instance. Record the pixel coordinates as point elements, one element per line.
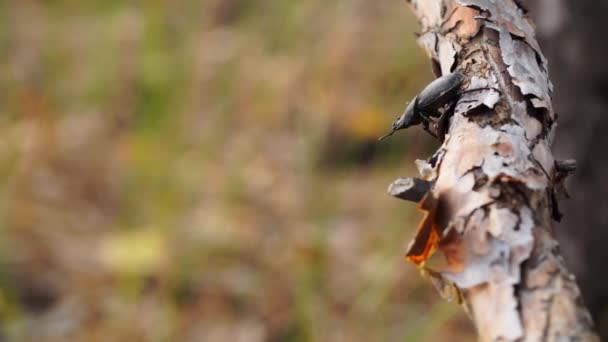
<point>495,181</point>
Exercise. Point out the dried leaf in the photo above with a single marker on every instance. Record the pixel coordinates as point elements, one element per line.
<point>427,235</point>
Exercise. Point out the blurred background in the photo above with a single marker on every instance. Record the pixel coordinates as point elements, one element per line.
<point>208,171</point>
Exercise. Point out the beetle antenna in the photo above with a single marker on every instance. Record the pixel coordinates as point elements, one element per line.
<point>386,135</point>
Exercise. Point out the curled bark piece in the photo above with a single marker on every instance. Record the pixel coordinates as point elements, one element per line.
<point>491,205</point>
<point>526,72</point>
<point>409,188</point>
<point>563,169</point>
<point>567,166</point>
<point>461,22</point>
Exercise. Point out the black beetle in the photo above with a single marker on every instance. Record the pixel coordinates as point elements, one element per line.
<point>435,96</point>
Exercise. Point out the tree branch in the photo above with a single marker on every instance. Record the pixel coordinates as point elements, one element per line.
<point>409,188</point>
<point>491,206</point>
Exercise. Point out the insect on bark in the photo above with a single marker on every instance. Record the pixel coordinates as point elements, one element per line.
<point>425,108</point>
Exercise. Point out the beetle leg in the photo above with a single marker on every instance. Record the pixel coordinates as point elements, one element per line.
<point>444,120</point>
<point>479,89</point>
<point>429,124</point>
<point>427,128</point>
<point>427,117</point>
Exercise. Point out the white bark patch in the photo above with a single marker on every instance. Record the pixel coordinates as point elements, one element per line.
<point>473,100</point>
<point>515,229</point>
<point>512,18</point>
<point>531,125</point>
<point>465,184</point>
<point>428,41</point>
<point>519,226</point>
<point>465,152</point>
<point>533,129</point>
<point>491,99</point>
<point>478,82</point>
<point>516,164</point>
<point>509,244</point>
<point>493,262</point>
<point>426,170</point>
<point>481,254</point>
<point>468,200</point>
<point>447,55</point>
<point>522,241</point>
<point>543,155</point>
<point>429,12</point>
<point>499,321</point>
<point>471,145</point>
<point>480,91</point>
<point>501,219</point>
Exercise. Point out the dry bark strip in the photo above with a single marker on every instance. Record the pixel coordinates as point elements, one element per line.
<point>492,201</point>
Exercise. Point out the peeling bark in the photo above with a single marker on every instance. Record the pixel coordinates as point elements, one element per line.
<point>494,179</point>
<point>409,188</point>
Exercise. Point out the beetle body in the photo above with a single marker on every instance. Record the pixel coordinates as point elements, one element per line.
<point>439,92</point>
<point>435,96</point>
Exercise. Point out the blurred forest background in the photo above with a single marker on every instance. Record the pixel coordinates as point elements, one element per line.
<point>208,171</point>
